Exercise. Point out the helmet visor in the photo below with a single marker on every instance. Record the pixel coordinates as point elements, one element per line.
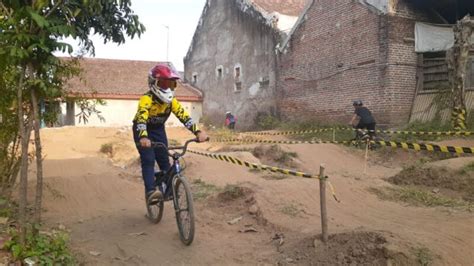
<point>167,83</point>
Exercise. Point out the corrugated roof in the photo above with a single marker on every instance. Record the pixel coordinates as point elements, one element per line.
<point>286,7</point>
<point>121,79</point>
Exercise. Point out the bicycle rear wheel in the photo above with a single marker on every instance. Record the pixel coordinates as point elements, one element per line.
<point>155,211</point>
<point>183,205</point>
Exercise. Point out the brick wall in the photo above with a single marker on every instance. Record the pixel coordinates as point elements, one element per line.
<point>344,51</point>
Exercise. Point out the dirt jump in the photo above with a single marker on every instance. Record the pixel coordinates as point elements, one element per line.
<point>94,190</point>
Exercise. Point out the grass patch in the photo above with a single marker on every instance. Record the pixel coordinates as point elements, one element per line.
<point>467,169</point>
<point>417,197</point>
<point>433,126</point>
<point>202,190</point>
<point>222,133</point>
<point>438,177</point>
<point>290,209</point>
<point>423,255</point>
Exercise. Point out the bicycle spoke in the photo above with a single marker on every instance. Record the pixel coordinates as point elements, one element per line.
<point>184,211</point>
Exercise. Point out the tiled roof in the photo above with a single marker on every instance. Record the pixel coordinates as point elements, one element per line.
<point>121,79</point>
<point>286,7</point>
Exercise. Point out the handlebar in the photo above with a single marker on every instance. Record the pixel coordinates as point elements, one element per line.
<point>174,155</point>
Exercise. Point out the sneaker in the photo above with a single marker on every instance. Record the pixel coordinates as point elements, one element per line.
<point>153,196</point>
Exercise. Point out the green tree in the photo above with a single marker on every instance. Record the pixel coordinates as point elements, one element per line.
<point>30,31</point>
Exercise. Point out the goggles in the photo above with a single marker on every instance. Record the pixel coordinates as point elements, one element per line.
<point>167,83</point>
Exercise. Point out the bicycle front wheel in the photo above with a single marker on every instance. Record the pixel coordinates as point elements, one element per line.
<point>155,211</point>
<point>183,205</point>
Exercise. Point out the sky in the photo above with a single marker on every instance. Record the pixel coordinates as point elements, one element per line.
<point>180,16</point>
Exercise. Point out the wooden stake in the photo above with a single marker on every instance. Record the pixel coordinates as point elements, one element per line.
<point>366,156</point>
<point>322,196</point>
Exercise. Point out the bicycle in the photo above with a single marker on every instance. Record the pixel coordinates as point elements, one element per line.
<point>171,184</point>
<point>364,138</point>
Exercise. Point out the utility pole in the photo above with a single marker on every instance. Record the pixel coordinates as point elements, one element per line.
<point>167,41</point>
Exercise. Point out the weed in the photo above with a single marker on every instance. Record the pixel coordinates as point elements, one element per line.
<point>233,191</point>
<point>467,169</point>
<point>44,249</point>
<point>275,154</point>
<point>107,148</point>
<point>290,209</point>
<point>234,149</point>
<point>54,192</point>
<point>173,142</point>
<point>223,133</point>
<point>202,190</point>
<point>423,256</point>
<point>273,176</point>
<point>265,121</point>
<point>255,170</point>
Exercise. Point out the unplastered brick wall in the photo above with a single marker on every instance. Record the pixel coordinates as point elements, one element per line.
<point>402,69</point>
<point>336,55</point>
<point>344,51</point>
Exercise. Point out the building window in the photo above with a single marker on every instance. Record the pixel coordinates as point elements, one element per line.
<point>195,78</point>
<point>237,86</point>
<point>470,75</point>
<point>219,72</point>
<point>435,71</point>
<point>238,72</point>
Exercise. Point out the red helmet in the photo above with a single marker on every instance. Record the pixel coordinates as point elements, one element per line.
<point>162,72</point>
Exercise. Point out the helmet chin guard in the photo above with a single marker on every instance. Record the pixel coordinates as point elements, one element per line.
<point>165,95</point>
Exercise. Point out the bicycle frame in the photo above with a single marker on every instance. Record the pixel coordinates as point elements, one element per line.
<point>175,169</point>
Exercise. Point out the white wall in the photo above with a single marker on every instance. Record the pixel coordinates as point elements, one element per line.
<point>121,113</point>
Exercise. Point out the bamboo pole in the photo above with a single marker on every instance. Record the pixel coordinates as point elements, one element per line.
<point>322,195</point>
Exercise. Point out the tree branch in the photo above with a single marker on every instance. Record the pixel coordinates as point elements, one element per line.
<point>53,8</point>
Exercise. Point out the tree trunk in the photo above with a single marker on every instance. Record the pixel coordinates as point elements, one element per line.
<point>457,59</point>
<point>25,131</point>
<point>39,158</point>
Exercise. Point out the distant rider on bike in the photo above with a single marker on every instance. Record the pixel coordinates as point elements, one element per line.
<point>364,118</point>
<point>154,108</point>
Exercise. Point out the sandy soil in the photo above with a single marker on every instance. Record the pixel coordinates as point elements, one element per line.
<point>100,199</point>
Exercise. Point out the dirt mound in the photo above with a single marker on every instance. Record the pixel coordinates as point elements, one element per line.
<point>438,178</point>
<point>357,248</point>
<point>275,154</point>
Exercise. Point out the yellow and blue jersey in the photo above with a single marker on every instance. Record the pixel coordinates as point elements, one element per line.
<point>151,113</point>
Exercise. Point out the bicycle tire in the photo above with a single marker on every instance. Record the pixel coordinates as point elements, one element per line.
<point>155,211</point>
<point>185,224</point>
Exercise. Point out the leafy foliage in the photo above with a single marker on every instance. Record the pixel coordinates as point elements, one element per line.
<point>266,121</point>
<point>9,137</point>
<point>30,32</point>
<point>44,249</point>
<point>87,108</point>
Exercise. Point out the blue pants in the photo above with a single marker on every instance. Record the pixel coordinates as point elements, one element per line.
<point>148,156</point>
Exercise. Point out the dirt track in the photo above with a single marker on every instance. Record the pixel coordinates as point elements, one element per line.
<point>102,204</point>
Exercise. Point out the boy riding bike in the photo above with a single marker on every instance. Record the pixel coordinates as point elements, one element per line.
<point>154,108</point>
<point>365,121</point>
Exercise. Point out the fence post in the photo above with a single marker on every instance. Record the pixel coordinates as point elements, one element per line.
<point>366,155</point>
<point>334,134</point>
<point>322,195</point>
